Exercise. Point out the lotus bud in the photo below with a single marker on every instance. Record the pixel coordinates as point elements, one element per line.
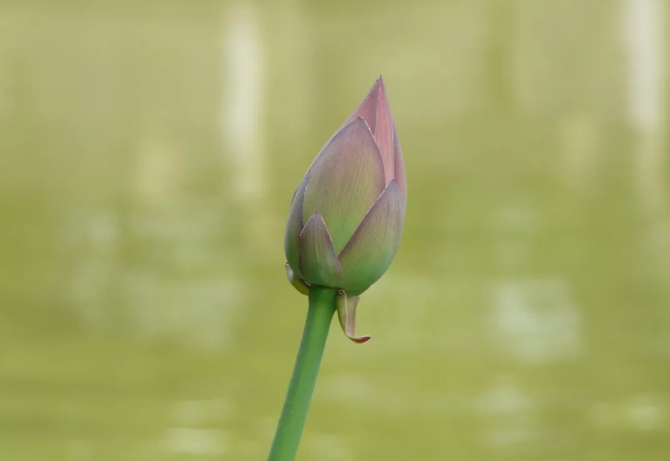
<point>346,218</point>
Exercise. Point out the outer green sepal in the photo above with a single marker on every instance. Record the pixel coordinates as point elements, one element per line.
<point>298,283</point>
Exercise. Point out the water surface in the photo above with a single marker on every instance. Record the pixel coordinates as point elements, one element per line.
<point>148,154</point>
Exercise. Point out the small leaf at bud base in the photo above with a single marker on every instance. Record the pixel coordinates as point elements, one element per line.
<point>346,312</point>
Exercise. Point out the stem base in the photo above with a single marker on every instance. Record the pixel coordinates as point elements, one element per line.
<point>296,405</point>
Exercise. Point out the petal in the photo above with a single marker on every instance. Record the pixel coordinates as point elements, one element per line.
<point>384,132</point>
<point>346,312</point>
<point>370,251</point>
<point>298,283</point>
<point>367,110</point>
<point>318,260</point>
<point>399,166</point>
<point>294,226</point>
<point>345,181</point>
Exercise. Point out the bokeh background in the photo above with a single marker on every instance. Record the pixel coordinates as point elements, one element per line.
<point>148,154</point>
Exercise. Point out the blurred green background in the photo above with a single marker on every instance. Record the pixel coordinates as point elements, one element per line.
<point>148,155</point>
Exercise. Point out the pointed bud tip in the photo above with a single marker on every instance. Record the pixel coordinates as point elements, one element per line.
<point>378,87</point>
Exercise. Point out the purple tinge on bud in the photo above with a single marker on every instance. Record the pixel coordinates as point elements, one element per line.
<point>376,112</point>
<point>345,181</point>
<point>347,214</point>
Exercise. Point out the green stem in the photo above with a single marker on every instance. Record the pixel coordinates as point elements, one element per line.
<point>296,405</point>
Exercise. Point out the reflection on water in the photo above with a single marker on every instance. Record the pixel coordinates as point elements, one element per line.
<point>644,36</point>
<point>243,103</point>
<point>196,441</point>
<point>148,156</point>
<point>535,321</point>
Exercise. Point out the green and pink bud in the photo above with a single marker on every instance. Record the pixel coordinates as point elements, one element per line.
<point>347,215</point>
